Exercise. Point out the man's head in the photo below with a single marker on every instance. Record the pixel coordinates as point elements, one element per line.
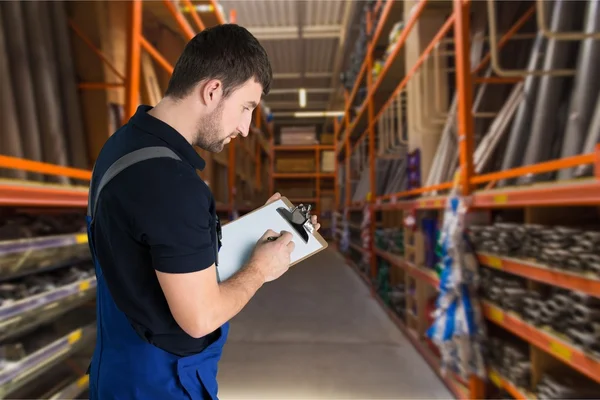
<point>222,75</point>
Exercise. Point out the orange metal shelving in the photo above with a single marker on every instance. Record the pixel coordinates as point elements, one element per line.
<point>545,340</point>
<point>23,193</point>
<point>542,273</point>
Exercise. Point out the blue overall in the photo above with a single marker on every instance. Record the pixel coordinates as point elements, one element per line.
<point>126,366</point>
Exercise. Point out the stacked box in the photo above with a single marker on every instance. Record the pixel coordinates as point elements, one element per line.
<point>327,138</point>
<point>299,135</point>
<point>295,164</point>
<point>328,161</point>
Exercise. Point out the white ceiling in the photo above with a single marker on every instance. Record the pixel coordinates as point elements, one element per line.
<point>304,40</point>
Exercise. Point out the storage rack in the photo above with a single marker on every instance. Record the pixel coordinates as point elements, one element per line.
<point>318,177</point>
<point>360,128</point>
<point>63,361</point>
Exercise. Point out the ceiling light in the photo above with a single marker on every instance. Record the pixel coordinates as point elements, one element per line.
<point>313,114</point>
<point>302,97</point>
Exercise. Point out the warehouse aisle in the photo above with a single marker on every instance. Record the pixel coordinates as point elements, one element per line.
<point>317,334</point>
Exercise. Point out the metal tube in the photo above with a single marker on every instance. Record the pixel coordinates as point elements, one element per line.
<point>593,138</point>
<point>544,129</point>
<point>20,76</point>
<point>517,141</point>
<point>585,89</point>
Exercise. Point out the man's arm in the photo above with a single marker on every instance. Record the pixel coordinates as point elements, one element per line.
<point>200,304</point>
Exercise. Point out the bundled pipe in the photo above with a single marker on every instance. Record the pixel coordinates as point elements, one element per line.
<point>47,99</point>
<point>497,130</point>
<point>593,137</point>
<point>68,87</point>
<point>20,75</point>
<point>544,129</point>
<point>587,85</point>
<point>10,140</point>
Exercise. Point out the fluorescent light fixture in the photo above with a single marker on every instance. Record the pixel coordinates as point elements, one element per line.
<point>302,97</point>
<point>316,114</point>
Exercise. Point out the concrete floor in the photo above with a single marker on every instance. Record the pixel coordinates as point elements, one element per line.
<point>317,334</point>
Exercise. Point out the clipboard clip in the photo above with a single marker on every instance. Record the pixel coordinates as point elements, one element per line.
<point>299,219</point>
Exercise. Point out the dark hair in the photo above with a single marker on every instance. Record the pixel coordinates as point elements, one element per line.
<point>226,52</point>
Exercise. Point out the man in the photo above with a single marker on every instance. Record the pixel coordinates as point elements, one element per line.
<point>154,234</point>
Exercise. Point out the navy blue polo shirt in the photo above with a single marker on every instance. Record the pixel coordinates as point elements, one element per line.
<point>159,215</point>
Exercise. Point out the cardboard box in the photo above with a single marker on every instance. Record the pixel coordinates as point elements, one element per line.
<point>328,161</point>
<point>291,165</point>
<point>327,138</point>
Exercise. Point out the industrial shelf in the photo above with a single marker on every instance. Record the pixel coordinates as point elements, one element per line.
<point>384,25</point>
<point>73,390</point>
<point>503,383</point>
<point>315,147</point>
<point>22,193</point>
<point>19,374</point>
<point>30,312</point>
<point>544,340</point>
<point>302,175</point>
<point>22,256</point>
<point>423,274</point>
<point>541,273</point>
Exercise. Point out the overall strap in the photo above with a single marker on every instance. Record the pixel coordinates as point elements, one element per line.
<point>121,164</point>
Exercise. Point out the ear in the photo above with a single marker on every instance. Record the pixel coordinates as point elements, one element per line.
<point>212,92</point>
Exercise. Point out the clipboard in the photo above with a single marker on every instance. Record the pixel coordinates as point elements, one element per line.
<point>239,237</point>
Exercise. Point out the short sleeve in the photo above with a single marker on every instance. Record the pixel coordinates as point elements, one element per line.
<point>172,217</point>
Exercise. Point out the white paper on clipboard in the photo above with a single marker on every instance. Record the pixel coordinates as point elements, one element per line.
<point>239,238</point>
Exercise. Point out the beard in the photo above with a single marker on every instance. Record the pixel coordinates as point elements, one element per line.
<point>209,134</point>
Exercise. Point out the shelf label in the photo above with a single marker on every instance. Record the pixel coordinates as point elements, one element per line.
<point>494,262</point>
<point>394,199</point>
<point>74,336</point>
<point>422,203</point>
<point>560,350</point>
<point>500,199</point>
<point>81,238</point>
<point>497,315</point>
<point>85,285</point>
<point>495,378</point>
<point>438,204</point>
<point>83,381</point>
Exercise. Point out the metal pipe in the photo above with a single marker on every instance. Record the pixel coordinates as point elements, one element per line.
<point>544,127</point>
<point>10,139</point>
<point>593,138</point>
<point>517,141</point>
<point>552,34</point>
<point>585,89</point>
<point>20,76</point>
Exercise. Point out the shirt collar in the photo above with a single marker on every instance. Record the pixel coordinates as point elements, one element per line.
<point>168,134</point>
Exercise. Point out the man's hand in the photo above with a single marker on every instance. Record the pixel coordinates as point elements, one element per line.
<point>271,259</point>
